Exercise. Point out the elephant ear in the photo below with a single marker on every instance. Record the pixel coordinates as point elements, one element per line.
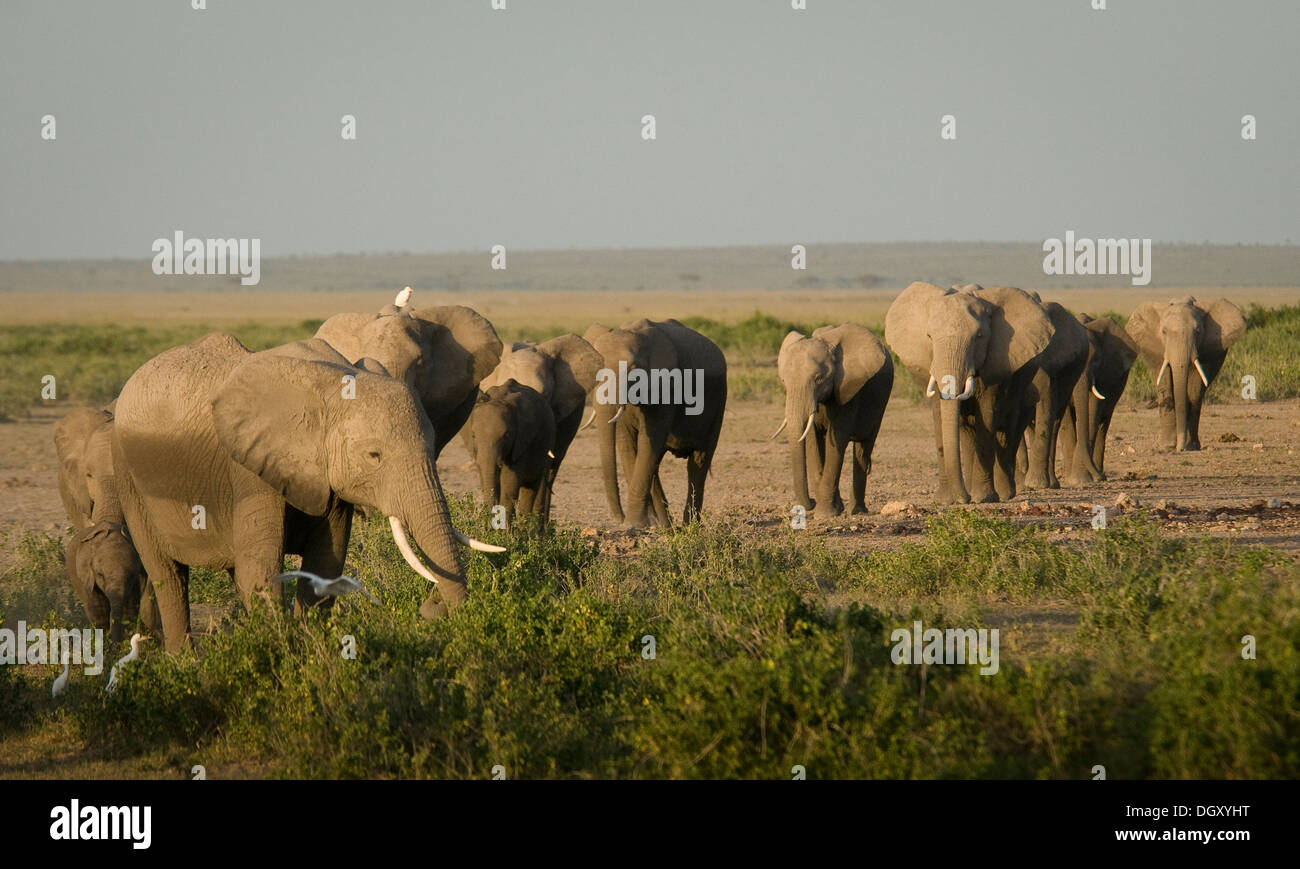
<point>72,436</point>
<point>374,366</point>
<point>1224,324</point>
<point>270,417</point>
<point>574,367</point>
<point>1115,341</point>
<point>469,330</point>
<point>859,356</point>
<point>343,332</point>
<point>1021,331</point>
<point>906,325</point>
<point>1144,327</point>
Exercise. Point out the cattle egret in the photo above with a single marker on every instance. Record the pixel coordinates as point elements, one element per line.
<point>136,640</point>
<point>60,681</point>
<point>327,587</point>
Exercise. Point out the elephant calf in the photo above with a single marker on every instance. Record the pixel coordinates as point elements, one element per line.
<point>837,383</point>
<point>514,437</point>
<point>100,561</point>
<point>106,573</point>
<point>1111,354</point>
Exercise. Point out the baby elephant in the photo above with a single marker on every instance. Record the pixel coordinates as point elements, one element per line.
<point>101,561</point>
<point>107,575</point>
<point>514,438</point>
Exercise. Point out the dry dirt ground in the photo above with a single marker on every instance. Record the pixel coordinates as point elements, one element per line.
<point>1223,490</point>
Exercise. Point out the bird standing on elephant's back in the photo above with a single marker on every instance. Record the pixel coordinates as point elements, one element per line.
<point>837,383</point>
<point>686,425</point>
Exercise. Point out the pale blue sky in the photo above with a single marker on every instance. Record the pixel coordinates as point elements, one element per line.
<point>522,127</point>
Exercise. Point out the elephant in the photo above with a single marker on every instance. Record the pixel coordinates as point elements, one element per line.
<point>837,383</point>
<point>563,371</point>
<point>514,437</point>
<point>100,561</point>
<point>441,353</point>
<point>106,574</point>
<point>1186,342</point>
<point>1060,367</point>
<point>650,358</point>
<point>229,459</point>
<point>1111,354</point>
<point>985,343</point>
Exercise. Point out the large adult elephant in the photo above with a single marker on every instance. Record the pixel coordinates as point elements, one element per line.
<point>229,459</point>
<point>668,353</point>
<point>100,561</point>
<point>976,352</point>
<point>514,438</point>
<point>837,382</point>
<point>441,353</point>
<point>1060,367</point>
<point>563,372</point>
<point>1185,341</point>
<point>1111,353</point>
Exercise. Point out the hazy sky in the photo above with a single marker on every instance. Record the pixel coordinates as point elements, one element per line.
<point>477,127</point>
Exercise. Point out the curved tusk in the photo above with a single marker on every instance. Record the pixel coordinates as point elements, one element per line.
<point>550,453</point>
<point>477,544</point>
<point>807,428</point>
<point>404,546</point>
<point>929,387</point>
<point>1163,365</point>
<point>970,388</point>
<point>590,421</point>
<point>781,429</point>
<point>1201,371</point>
<point>1098,394</point>
<point>621,408</point>
<point>402,298</point>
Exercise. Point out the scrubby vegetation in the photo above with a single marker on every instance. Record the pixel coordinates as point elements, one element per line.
<point>766,655</point>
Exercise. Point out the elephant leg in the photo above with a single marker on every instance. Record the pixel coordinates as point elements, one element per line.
<point>259,523</point>
<point>815,447</point>
<point>1022,458</point>
<point>641,479</point>
<point>150,617</point>
<point>1066,444</point>
<point>1194,403</point>
<point>828,486</point>
<point>323,553</point>
<point>861,468</point>
<point>659,502</point>
<point>1038,429</point>
<point>985,465</point>
<point>697,469</point>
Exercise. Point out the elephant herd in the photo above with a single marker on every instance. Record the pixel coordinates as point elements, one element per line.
<point>217,457</point>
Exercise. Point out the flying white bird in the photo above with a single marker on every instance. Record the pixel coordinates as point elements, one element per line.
<point>136,640</point>
<point>327,587</point>
<point>60,681</point>
<point>403,298</point>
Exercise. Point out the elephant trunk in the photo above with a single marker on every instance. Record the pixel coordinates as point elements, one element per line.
<point>429,521</point>
<point>799,411</point>
<point>950,423</point>
<point>489,472</point>
<point>1179,372</point>
<point>607,425</point>
<point>107,506</point>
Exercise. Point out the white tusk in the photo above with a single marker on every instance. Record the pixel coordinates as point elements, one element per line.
<point>551,454</point>
<point>1098,394</point>
<point>970,388</point>
<point>929,387</point>
<point>477,544</point>
<point>590,421</point>
<point>781,429</point>
<point>1163,365</point>
<point>399,537</point>
<point>1201,371</point>
<point>402,298</point>
<point>621,407</point>
<point>807,428</point>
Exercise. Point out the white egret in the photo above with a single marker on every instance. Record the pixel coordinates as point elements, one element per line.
<point>136,640</point>
<point>327,587</point>
<point>61,681</point>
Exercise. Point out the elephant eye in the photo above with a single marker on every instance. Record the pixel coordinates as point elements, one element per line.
<point>374,456</point>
